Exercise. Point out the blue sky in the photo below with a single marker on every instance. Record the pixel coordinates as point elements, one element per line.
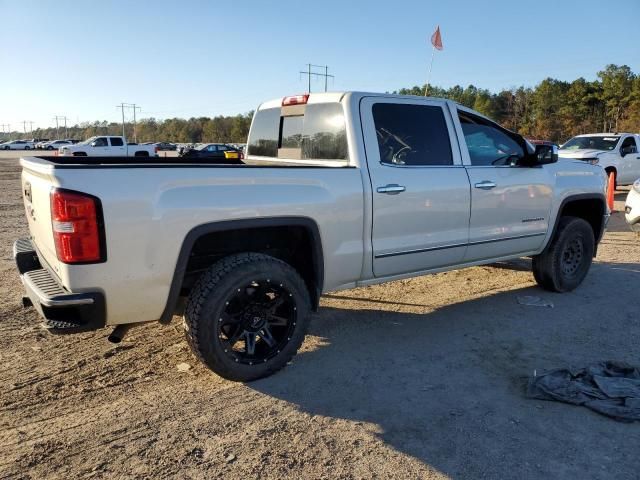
<point>190,58</point>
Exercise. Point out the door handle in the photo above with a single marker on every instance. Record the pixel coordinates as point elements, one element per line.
<point>391,189</point>
<point>485,185</point>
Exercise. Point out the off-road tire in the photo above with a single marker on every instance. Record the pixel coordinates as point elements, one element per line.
<point>207,300</point>
<point>550,267</point>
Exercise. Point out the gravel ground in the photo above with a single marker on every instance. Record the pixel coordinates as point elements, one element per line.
<point>420,378</point>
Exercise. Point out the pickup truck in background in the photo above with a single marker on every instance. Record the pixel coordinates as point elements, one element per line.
<point>616,153</point>
<point>107,146</point>
<point>340,190</point>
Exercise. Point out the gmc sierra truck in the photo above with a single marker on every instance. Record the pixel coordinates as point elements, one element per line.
<point>338,190</point>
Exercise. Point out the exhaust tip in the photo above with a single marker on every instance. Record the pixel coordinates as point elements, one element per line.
<point>118,333</point>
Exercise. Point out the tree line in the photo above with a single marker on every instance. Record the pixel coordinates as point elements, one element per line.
<point>226,129</point>
<point>557,110</point>
<point>552,110</point>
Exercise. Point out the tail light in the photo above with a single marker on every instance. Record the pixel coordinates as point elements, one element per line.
<point>78,229</point>
<point>155,149</point>
<point>295,100</point>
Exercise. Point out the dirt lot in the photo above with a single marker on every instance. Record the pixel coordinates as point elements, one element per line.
<point>416,379</point>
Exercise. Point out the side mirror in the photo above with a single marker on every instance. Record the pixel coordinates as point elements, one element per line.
<point>626,150</point>
<point>93,144</point>
<point>543,155</point>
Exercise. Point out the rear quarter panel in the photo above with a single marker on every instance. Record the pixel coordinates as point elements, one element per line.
<point>148,212</point>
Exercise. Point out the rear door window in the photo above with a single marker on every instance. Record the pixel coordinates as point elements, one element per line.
<point>116,142</point>
<point>316,132</point>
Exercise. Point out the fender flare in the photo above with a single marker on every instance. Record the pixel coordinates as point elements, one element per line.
<point>577,197</point>
<point>226,225</point>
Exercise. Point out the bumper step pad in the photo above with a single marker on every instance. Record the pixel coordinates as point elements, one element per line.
<point>61,310</point>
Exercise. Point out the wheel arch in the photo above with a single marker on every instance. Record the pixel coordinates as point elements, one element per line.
<point>314,277</point>
<point>591,207</point>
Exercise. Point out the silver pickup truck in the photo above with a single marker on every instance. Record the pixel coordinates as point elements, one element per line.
<point>339,190</point>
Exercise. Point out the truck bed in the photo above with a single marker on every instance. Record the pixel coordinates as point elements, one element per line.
<point>81,162</point>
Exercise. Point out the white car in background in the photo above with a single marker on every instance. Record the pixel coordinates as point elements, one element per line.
<point>632,207</point>
<point>617,153</point>
<point>56,144</point>
<point>18,145</point>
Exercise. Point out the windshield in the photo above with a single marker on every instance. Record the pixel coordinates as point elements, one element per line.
<point>595,143</point>
<point>88,141</point>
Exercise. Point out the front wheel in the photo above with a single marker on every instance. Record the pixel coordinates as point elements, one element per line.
<point>566,261</point>
<point>247,316</point>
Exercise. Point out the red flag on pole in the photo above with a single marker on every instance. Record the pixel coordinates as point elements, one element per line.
<point>436,39</point>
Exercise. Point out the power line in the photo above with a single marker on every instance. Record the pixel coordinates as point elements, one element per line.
<point>309,73</point>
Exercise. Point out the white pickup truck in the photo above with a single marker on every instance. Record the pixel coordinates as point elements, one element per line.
<point>107,146</point>
<point>617,153</point>
<point>340,190</point>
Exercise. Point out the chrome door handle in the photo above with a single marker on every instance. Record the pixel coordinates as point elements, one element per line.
<point>485,185</point>
<point>391,189</point>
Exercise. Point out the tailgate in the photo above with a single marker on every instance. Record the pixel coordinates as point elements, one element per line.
<point>37,182</point>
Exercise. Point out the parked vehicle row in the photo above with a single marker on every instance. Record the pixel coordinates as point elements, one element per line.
<point>352,189</point>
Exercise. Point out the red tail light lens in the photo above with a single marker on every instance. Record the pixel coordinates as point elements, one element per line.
<point>76,219</point>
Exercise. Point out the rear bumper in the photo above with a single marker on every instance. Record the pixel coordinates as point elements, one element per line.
<point>62,311</point>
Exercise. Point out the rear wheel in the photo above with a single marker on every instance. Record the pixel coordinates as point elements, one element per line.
<point>247,316</point>
<point>79,154</point>
<point>141,154</point>
<point>27,147</point>
<point>566,261</point>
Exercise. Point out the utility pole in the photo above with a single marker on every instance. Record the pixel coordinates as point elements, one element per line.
<point>309,73</point>
<point>121,107</point>
<point>66,131</point>
<point>135,134</point>
<point>133,106</point>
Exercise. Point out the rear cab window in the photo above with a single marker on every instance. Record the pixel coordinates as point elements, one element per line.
<point>412,135</point>
<point>314,134</point>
